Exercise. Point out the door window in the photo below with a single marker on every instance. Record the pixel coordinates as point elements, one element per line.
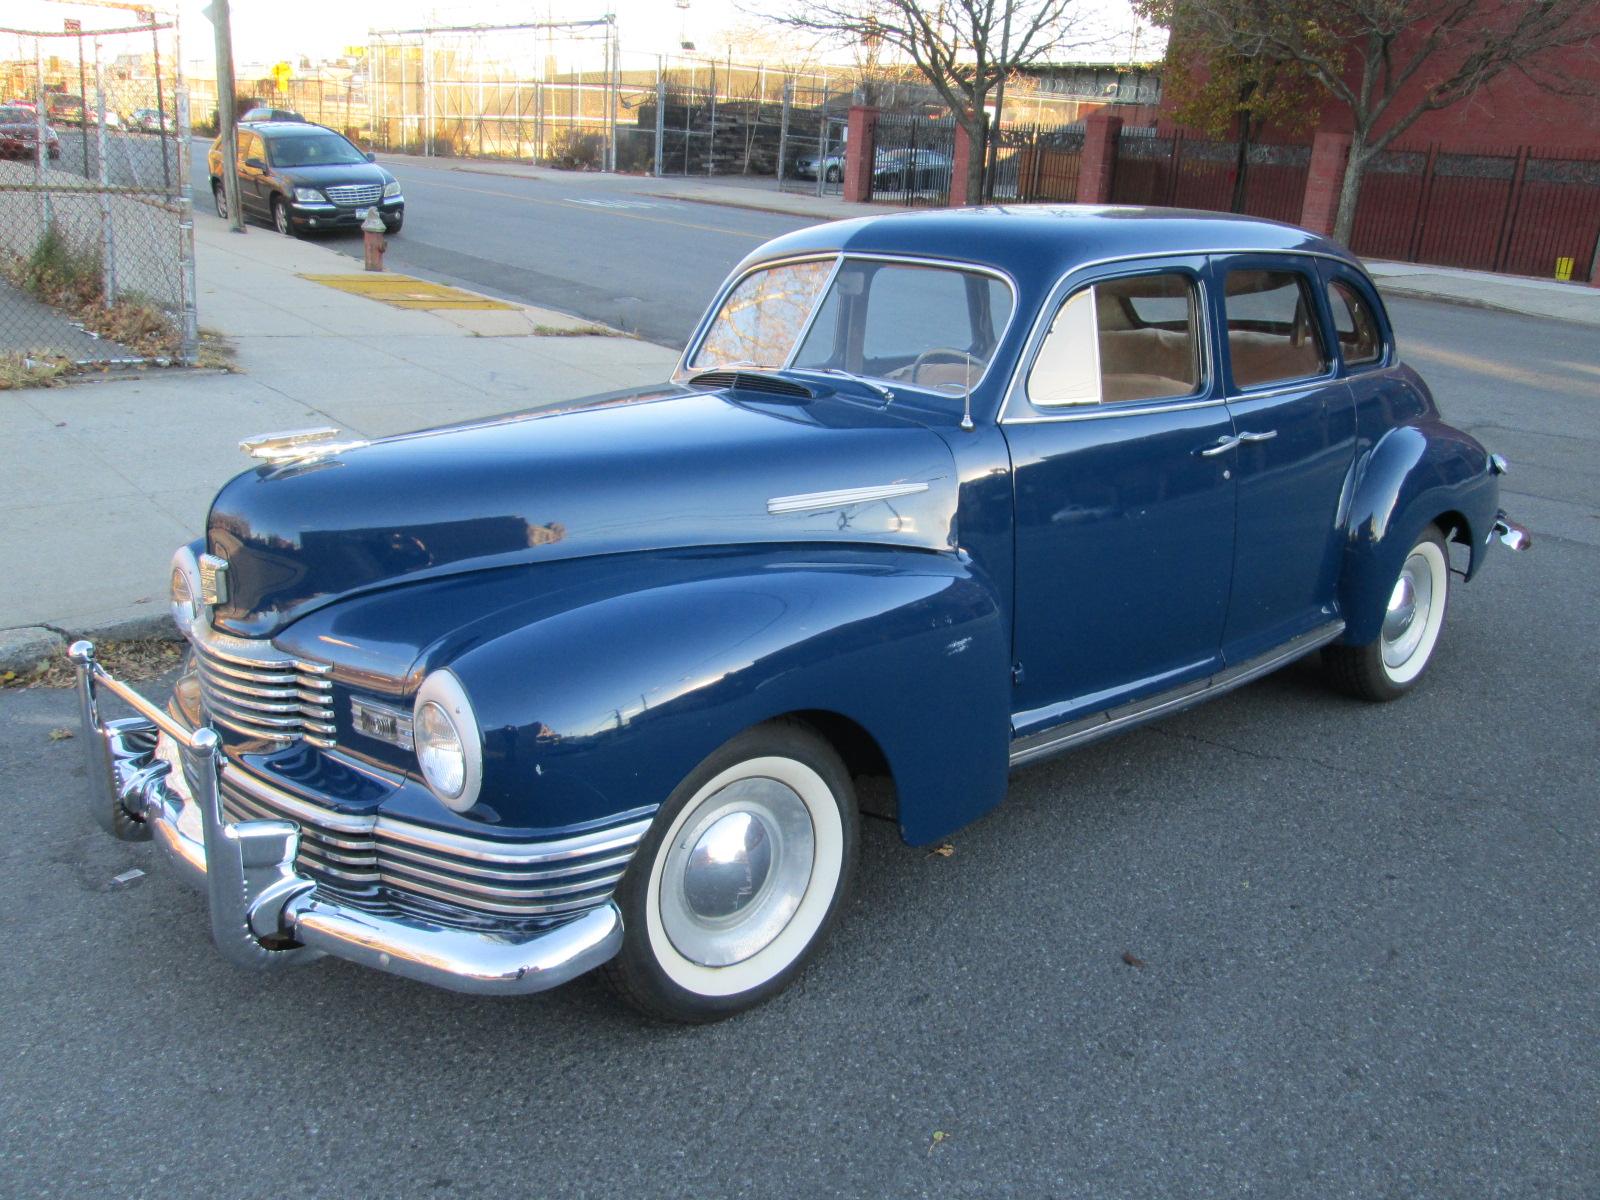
<point>1121,339</point>
<point>249,147</point>
<point>1359,339</point>
<point>1273,335</point>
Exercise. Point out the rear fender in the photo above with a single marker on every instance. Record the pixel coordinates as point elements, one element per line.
<point>1415,475</point>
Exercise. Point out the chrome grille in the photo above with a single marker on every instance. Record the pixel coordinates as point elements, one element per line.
<point>355,193</point>
<point>543,880</point>
<point>250,688</point>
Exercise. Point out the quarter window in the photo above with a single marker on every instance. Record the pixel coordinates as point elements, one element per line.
<point>1272,328</point>
<point>1121,339</point>
<point>1359,339</point>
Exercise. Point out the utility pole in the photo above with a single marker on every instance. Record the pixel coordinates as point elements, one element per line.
<point>227,118</point>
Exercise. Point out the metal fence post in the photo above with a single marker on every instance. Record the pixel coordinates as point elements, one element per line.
<point>822,142</point>
<point>783,130</point>
<point>190,346</point>
<point>108,244</point>
<point>661,119</point>
<point>39,140</point>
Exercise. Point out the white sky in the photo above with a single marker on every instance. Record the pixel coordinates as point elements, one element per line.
<point>269,30</point>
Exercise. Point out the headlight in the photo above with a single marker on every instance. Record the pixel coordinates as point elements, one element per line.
<point>449,747</point>
<point>308,195</point>
<point>391,189</point>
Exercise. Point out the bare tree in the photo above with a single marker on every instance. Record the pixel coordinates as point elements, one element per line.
<point>961,47</point>
<point>1392,61</point>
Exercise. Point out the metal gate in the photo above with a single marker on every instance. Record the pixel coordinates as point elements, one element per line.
<point>1036,163</point>
<point>912,160</point>
<point>811,152</point>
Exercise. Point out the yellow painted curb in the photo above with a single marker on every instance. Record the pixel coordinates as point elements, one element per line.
<point>402,291</point>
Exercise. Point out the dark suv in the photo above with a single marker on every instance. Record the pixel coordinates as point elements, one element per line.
<point>300,176</point>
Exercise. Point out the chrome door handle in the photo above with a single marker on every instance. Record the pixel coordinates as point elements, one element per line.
<point>1259,437</point>
<point>1224,444</point>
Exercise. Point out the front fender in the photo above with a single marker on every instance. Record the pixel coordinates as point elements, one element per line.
<point>1413,476</point>
<point>606,703</point>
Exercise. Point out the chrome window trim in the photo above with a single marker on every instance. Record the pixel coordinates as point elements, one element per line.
<point>1015,396</point>
<point>682,372</point>
<point>1390,355</point>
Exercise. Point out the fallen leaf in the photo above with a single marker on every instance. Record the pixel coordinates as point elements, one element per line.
<point>60,735</point>
<point>943,850</point>
<point>1129,958</point>
<point>939,1135</point>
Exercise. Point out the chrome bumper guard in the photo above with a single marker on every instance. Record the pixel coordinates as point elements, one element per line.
<point>265,915</point>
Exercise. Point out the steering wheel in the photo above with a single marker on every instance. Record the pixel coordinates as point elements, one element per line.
<point>946,353</point>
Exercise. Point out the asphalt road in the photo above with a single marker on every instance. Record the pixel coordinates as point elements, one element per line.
<point>1367,936</point>
<point>600,247</point>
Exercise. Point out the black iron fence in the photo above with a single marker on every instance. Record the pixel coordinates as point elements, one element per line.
<point>1514,209</point>
<point>1181,171</point>
<point>913,159</point>
<point>1036,163</point>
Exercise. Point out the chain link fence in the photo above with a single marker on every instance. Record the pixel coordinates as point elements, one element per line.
<point>96,230</point>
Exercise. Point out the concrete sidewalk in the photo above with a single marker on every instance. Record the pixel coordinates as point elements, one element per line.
<point>1506,293</point>
<point>105,479</point>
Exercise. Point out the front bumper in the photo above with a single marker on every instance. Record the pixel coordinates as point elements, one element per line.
<point>323,215</point>
<point>264,915</point>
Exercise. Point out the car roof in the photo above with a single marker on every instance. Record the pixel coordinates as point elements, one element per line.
<point>1032,241</point>
<point>271,128</point>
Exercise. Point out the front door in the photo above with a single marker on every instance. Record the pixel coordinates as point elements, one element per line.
<point>250,178</point>
<point>1296,426</point>
<point>1124,503</point>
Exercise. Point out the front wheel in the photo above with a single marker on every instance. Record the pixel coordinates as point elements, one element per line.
<point>280,217</point>
<point>391,225</point>
<point>739,879</point>
<point>1390,665</point>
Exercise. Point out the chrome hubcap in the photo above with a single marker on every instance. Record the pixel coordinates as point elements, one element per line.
<point>1406,620</point>
<point>737,871</point>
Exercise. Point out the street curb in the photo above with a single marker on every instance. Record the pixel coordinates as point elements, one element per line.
<point>24,647</point>
<point>1472,302</point>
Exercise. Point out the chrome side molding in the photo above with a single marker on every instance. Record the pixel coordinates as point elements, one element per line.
<point>297,445</point>
<point>816,501</point>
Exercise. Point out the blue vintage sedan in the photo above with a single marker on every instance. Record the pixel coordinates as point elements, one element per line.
<point>928,497</point>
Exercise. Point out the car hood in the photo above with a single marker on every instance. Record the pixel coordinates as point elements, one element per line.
<point>329,175</point>
<point>657,469</point>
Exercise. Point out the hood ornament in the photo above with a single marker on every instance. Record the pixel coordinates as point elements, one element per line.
<point>298,445</point>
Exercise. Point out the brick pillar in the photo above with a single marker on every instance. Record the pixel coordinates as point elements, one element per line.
<point>964,150</point>
<point>858,152</point>
<point>1329,154</point>
<point>1098,162</point>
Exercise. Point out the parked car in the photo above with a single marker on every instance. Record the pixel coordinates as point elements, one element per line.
<point>928,497</point>
<point>300,177</point>
<point>831,166</point>
<point>19,133</point>
<point>150,120</point>
<point>911,168</point>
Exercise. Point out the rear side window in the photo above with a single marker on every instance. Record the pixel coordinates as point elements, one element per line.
<point>1121,339</point>
<point>1273,334</point>
<point>1359,339</point>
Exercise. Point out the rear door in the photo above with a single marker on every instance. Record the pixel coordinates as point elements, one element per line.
<point>1295,422</point>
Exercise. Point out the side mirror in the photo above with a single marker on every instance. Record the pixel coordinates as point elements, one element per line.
<point>371,157</point>
<point>255,164</point>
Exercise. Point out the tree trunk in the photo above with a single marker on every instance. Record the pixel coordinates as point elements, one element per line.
<point>1344,223</point>
<point>977,150</point>
<point>1241,164</point>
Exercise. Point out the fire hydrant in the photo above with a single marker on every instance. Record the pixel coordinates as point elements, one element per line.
<point>373,242</point>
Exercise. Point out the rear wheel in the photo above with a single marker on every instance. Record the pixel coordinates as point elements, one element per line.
<point>1390,665</point>
<point>220,198</point>
<point>740,878</point>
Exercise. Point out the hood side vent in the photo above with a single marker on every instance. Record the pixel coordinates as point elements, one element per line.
<point>752,381</point>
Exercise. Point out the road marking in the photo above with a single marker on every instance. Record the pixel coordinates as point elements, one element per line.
<point>608,203</point>
<point>627,214</point>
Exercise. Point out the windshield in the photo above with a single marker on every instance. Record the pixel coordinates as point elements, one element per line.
<point>933,327</point>
<point>312,150</point>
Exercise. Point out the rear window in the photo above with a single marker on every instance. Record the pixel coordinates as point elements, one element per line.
<point>1359,339</point>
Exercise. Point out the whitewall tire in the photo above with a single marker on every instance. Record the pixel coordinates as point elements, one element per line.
<point>1390,665</point>
<point>739,879</point>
